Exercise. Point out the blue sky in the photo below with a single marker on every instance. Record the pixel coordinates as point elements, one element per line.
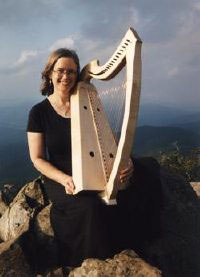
<point>170,30</point>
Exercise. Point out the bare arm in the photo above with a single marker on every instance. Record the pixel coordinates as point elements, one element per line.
<point>37,154</point>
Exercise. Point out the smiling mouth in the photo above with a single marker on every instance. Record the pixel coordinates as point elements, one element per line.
<point>65,83</point>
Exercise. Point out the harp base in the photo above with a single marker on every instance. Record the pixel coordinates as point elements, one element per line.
<point>110,202</point>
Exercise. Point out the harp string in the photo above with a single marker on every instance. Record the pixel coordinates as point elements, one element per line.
<point>113,100</point>
<point>113,103</point>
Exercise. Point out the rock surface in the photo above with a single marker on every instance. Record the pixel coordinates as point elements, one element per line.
<point>127,263</point>
<point>3,206</point>
<point>27,234</point>
<point>15,220</point>
<point>12,260</point>
<point>196,187</point>
<point>177,253</point>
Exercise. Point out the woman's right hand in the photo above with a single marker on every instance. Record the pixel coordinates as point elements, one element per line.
<point>68,184</point>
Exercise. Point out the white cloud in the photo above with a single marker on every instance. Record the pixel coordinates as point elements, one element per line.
<point>196,6</point>
<point>25,56</point>
<point>28,58</point>
<point>62,43</point>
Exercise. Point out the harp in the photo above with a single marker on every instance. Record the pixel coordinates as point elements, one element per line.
<point>96,156</point>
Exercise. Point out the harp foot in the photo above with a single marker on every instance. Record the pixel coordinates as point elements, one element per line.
<point>110,201</point>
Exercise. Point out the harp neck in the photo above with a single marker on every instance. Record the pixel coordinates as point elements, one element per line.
<point>115,63</point>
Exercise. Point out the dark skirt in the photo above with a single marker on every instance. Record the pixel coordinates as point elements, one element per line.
<point>78,224</point>
<point>85,227</point>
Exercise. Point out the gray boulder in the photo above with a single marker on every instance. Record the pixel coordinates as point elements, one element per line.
<point>126,263</point>
<point>15,219</point>
<point>12,260</point>
<point>25,224</point>
<point>177,251</point>
<point>3,205</point>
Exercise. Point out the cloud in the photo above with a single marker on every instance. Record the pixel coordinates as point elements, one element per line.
<point>169,30</point>
<point>66,42</point>
<point>14,14</point>
<point>26,56</point>
<point>171,61</point>
<point>29,58</point>
<point>23,64</point>
<point>111,20</point>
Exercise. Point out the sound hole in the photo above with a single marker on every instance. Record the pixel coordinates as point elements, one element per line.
<point>111,155</point>
<point>91,154</point>
<point>85,107</point>
<point>98,109</point>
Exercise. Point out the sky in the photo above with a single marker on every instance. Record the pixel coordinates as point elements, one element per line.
<point>169,29</point>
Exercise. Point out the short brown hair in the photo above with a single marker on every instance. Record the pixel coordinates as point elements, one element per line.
<point>46,84</point>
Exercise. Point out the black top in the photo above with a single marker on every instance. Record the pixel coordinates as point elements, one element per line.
<point>57,133</point>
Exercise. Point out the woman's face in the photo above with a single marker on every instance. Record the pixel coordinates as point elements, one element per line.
<point>64,75</point>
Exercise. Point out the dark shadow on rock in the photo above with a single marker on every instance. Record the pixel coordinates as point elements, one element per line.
<point>176,251</point>
<point>158,216</point>
<point>40,256</point>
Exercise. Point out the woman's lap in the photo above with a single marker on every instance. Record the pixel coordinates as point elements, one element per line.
<point>85,227</point>
<point>80,230</point>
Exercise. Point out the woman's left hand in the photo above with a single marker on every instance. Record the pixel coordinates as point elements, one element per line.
<point>125,174</point>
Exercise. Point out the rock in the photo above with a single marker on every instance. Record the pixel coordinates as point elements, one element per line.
<point>32,193</point>
<point>9,192</point>
<point>25,224</point>
<point>196,187</point>
<point>12,260</point>
<point>121,265</point>
<point>46,256</point>
<point>3,206</point>
<point>176,252</point>
<point>15,220</point>
<point>42,225</point>
<point>57,272</point>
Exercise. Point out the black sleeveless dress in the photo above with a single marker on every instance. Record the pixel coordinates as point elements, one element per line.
<point>83,225</point>
<point>77,221</point>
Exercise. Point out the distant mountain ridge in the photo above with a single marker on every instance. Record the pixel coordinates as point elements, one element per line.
<point>149,114</point>
<point>156,115</point>
<point>193,126</point>
<point>158,129</point>
<point>150,140</point>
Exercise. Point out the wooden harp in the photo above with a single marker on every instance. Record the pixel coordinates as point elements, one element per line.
<point>96,157</point>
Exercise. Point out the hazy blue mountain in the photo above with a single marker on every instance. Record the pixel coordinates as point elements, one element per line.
<point>150,139</point>
<point>15,116</point>
<point>157,115</point>
<point>149,114</point>
<point>193,126</point>
<point>15,165</point>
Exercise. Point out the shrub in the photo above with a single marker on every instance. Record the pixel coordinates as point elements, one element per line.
<point>185,164</point>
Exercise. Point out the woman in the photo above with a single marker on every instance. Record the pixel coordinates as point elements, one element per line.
<point>78,220</point>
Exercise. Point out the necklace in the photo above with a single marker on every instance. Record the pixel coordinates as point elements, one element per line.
<point>63,110</point>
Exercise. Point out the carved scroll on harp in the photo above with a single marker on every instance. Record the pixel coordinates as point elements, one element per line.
<point>96,158</point>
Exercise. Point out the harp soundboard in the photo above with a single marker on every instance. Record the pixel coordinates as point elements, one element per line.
<point>96,156</point>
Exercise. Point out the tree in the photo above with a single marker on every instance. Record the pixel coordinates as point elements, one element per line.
<point>185,164</point>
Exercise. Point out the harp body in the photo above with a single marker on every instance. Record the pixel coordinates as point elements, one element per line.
<point>96,157</point>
